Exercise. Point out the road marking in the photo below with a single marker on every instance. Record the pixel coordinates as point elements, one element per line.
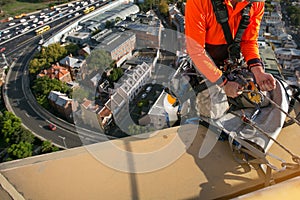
<point>27,114</point>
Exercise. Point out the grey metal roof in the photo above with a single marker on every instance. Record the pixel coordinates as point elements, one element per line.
<point>53,95</point>
<point>114,40</point>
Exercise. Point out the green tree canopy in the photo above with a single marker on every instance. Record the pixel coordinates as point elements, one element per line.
<point>109,24</point>
<point>136,129</point>
<point>49,55</point>
<point>163,7</point>
<point>43,86</point>
<point>37,64</point>
<point>48,147</point>
<point>10,125</point>
<point>80,93</point>
<point>115,74</point>
<point>98,60</point>
<point>72,49</point>
<point>20,150</point>
<point>55,52</point>
<point>24,136</point>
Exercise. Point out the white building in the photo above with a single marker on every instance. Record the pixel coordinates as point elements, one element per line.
<point>287,54</point>
<point>132,81</point>
<point>163,113</point>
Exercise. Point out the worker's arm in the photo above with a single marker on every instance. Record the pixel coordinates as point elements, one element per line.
<point>195,30</point>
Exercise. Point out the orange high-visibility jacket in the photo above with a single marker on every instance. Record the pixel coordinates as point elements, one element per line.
<point>203,30</point>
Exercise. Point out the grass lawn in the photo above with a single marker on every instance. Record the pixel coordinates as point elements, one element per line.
<point>15,7</point>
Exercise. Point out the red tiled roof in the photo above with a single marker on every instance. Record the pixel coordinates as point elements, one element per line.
<point>55,72</point>
<point>86,103</point>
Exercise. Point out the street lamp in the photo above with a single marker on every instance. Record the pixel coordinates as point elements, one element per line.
<point>64,140</point>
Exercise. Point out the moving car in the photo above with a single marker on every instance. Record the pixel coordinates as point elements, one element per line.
<point>52,127</point>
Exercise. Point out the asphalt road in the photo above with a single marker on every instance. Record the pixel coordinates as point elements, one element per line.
<point>25,107</point>
<point>20,101</point>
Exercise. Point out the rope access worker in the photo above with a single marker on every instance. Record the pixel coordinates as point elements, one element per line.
<point>221,40</point>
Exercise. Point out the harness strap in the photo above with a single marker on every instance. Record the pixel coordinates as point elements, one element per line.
<point>222,18</point>
<point>221,14</point>
<point>245,21</point>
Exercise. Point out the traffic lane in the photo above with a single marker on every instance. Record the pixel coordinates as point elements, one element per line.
<point>29,34</point>
<point>40,127</point>
<point>21,107</point>
<point>35,123</point>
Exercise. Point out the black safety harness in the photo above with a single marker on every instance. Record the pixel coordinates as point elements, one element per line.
<point>221,14</point>
<point>232,69</point>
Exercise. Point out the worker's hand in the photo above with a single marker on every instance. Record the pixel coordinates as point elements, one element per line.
<point>233,89</point>
<point>265,81</point>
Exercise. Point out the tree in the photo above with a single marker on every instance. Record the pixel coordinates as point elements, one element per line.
<point>115,74</point>
<point>55,52</point>
<point>72,48</point>
<point>98,60</point>
<point>109,24</point>
<point>12,130</point>
<point>20,150</point>
<point>80,93</point>
<point>25,136</point>
<point>43,86</point>
<point>136,129</point>
<point>50,55</point>
<point>163,7</point>
<point>48,147</point>
<point>37,64</point>
<point>118,19</point>
<point>10,125</point>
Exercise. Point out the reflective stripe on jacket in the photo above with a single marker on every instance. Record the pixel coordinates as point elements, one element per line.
<point>203,30</point>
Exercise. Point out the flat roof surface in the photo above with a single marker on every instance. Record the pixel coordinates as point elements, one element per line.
<point>93,172</point>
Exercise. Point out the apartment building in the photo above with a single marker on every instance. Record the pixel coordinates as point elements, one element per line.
<point>147,29</point>
<point>287,54</point>
<point>119,45</point>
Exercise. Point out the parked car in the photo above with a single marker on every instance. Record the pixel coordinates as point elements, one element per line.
<point>144,95</point>
<point>6,31</point>
<point>148,89</point>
